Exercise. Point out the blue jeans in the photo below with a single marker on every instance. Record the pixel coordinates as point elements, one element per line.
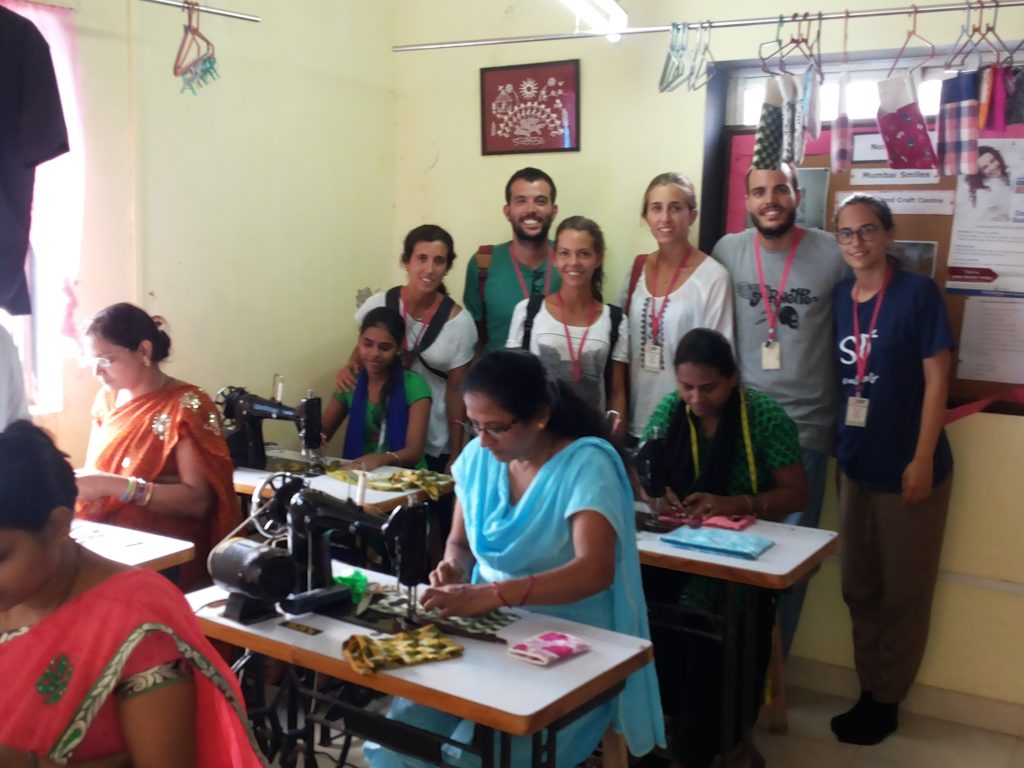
<point>792,600</point>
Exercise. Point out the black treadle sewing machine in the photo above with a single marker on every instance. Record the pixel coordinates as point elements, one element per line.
<point>244,414</point>
<point>316,528</point>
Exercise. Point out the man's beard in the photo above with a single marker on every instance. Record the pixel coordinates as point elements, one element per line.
<point>774,233</point>
<point>539,239</point>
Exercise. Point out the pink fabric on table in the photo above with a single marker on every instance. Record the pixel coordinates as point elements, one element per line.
<point>548,647</point>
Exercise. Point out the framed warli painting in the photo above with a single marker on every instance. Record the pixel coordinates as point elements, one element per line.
<point>530,108</point>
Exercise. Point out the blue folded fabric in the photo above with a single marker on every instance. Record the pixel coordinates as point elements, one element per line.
<point>718,541</point>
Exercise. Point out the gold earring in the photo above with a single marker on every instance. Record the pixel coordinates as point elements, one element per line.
<point>146,362</point>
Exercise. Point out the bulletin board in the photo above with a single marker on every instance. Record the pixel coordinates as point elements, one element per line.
<point>936,228</point>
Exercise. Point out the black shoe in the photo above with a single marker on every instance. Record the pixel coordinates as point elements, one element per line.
<point>867,723</point>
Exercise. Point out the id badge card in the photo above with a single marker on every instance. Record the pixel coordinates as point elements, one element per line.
<point>651,357</point>
<point>857,412</point>
<point>771,355</point>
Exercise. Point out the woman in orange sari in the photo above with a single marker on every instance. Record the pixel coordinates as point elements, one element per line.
<point>103,666</point>
<point>157,460</point>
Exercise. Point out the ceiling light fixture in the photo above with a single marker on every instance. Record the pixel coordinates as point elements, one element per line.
<point>604,16</point>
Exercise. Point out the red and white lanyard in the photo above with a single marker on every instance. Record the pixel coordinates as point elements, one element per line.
<point>575,357</point>
<point>657,314</point>
<point>518,269</point>
<point>863,350</point>
<point>772,313</point>
<point>426,321</point>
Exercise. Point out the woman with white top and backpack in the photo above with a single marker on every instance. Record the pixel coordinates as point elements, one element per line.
<point>580,339</point>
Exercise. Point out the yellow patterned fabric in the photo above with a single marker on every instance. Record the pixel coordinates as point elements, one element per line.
<point>373,654</point>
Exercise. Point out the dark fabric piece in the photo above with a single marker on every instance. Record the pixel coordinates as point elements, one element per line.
<point>396,408</point>
<point>32,131</point>
<point>716,453</point>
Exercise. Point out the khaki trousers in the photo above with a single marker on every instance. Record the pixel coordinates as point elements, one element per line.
<point>890,562</point>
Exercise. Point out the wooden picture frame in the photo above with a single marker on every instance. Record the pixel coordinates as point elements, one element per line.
<point>530,108</point>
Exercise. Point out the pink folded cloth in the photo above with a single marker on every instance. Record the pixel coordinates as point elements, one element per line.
<point>730,522</point>
<point>548,647</point>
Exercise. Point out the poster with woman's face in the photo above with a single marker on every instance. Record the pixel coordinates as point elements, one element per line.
<point>991,194</point>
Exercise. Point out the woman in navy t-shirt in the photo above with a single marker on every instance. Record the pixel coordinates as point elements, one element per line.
<point>893,342</point>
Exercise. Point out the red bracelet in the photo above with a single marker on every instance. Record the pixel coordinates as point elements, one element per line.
<point>526,594</point>
<point>497,591</point>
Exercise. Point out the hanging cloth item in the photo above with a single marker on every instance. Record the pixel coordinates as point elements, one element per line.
<point>984,94</point>
<point>1015,96</point>
<point>812,103</point>
<point>842,133</point>
<point>768,140</point>
<point>902,125</point>
<point>996,120</point>
<point>792,119</point>
<point>958,125</point>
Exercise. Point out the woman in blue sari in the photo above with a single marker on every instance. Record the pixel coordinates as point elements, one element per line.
<point>544,519</point>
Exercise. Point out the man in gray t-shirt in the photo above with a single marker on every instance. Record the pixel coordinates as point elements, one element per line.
<point>783,276</point>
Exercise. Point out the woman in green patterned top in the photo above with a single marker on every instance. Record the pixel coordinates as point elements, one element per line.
<point>727,451</point>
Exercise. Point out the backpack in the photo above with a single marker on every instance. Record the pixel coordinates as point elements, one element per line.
<point>634,278</point>
<point>533,306</point>
<point>392,300</point>
<point>484,255</point>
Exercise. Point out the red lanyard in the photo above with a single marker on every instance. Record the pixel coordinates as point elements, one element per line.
<point>575,358</point>
<point>863,350</point>
<point>656,315</point>
<point>426,321</point>
<point>517,268</point>
<point>772,313</point>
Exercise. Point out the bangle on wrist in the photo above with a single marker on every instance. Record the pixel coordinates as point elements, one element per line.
<point>497,591</point>
<point>526,594</point>
<point>394,455</point>
<point>148,495</point>
<point>129,492</point>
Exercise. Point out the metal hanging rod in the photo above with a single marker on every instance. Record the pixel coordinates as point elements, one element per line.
<point>212,11</point>
<point>993,5</point>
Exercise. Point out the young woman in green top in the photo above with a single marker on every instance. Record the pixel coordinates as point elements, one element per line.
<point>389,409</point>
<point>728,451</point>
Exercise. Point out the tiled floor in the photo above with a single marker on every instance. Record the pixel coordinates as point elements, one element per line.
<point>920,742</point>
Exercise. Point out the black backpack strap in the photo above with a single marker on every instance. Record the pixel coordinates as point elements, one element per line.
<point>615,317</point>
<point>393,298</point>
<point>533,306</point>
<point>484,256</point>
<point>437,322</point>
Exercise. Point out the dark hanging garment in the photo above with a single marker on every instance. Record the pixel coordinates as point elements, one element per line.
<point>32,131</point>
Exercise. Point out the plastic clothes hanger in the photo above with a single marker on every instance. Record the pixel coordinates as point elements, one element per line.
<point>704,64</point>
<point>777,42</point>
<point>192,40</point>
<point>912,33</point>
<point>673,73</point>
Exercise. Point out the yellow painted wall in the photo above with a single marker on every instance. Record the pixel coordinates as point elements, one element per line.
<point>249,215</point>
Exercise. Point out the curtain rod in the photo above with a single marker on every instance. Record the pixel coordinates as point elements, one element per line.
<point>207,9</point>
<point>979,5</point>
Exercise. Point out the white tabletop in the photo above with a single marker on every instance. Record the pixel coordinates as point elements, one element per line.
<point>797,553</point>
<point>248,480</point>
<point>485,684</point>
<point>131,547</point>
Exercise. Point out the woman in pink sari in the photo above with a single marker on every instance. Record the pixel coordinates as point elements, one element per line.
<point>103,666</point>
<point>157,460</point>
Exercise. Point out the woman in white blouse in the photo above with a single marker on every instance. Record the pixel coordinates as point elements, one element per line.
<point>667,293</point>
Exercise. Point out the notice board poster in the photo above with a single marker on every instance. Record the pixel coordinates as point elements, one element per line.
<point>986,257</point>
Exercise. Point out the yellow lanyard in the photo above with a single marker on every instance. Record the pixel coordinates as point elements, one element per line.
<point>747,443</point>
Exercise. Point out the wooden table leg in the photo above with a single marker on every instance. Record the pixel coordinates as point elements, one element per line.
<point>775,691</point>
